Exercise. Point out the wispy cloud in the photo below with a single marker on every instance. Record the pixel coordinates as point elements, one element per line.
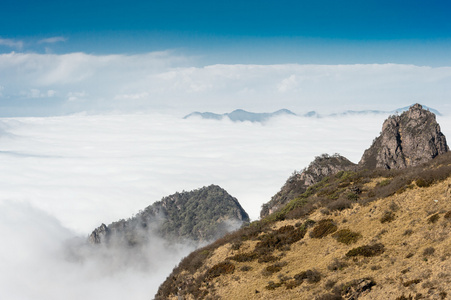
<point>166,81</point>
<point>12,43</point>
<point>52,40</point>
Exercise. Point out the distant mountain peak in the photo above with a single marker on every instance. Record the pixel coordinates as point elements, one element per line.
<point>241,115</point>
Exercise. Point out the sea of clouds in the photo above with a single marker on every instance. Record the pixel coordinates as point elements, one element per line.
<point>63,176</point>
<point>113,141</point>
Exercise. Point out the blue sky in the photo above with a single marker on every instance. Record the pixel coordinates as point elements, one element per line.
<point>320,31</point>
<point>62,57</point>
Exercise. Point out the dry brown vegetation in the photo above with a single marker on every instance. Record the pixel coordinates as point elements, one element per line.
<point>311,249</point>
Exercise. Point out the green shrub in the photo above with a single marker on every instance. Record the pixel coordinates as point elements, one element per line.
<point>402,297</point>
<point>434,218</point>
<point>292,284</point>
<point>347,236</point>
<point>236,245</point>
<point>352,196</point>
<point>428,251</point>
<point>337,265</point>
<point>268,258</point>
<point>311,276</point>
<point>421,182</point>
<point>269,270</point>
<point>222,268</point>
<point>388,216</point>
<point>244,257</point>
<point>329,297</point>
<point>340,204</point>
<point>245,268</point>
<point>384,182</point>
<point>410,282</point>
<point>367,250</point>
<point>323,228</point>
<point>272,285</point>
<point>408,232</point>
<point>278,239</point>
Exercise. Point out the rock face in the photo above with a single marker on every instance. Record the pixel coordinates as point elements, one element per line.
<point>199,215</point>
<point>409,139</point>
<point>322,166</point>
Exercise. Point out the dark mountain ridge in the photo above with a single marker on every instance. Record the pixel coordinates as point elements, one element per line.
<point>200,215</point>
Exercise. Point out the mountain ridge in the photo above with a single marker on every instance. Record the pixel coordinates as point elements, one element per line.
<point>200,215</point>
<point>355,233</point>
<point>240,115</point>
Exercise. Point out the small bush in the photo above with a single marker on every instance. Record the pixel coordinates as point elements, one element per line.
<point>367,250</point>
<point>410,282</point>
<point>245,268</point>
<point>330,284</point>
<point>267,258</point>
<point>222,268</point>
<point>236,246</point>
<point>448,215</point>
<point>269,270</point>
<point>421,182</point>
<point>434,218</point>
<point>244,257</point>
<point>272,285</point>
<point>323,228</point>
<point>292,284</point>
<point>337,265</point>
<point>402,297</point>
<point>278,239</point>
<point>329,297</point>
<point>312,276</point>
<point>352,196</point>
<point>408,232</point>
<point>384,182</point>
<point>388,216</point>
<point>428,251</point>
<point>340,204</point>
<point>346,236</point>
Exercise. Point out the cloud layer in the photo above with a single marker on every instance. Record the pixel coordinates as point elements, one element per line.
<point>168,82</point>
<point>63,176</point>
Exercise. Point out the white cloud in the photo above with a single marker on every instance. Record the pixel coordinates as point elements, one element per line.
<point>12,43</point>
<point>43,260</point>
<point>287,84</point>
<point>75,96</point>
<point>52,40</point>
<point>166,81</point>
<point>36,93</point>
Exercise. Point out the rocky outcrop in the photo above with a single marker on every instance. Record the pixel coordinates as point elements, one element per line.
<point>200,215</point>
<point>322,166</point>
<point>410,139</point>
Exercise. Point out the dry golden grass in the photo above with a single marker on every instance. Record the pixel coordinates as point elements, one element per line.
<point>409,234</point>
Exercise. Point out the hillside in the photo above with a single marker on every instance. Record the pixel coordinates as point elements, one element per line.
<point>366,235</point>
<point>199,215</point>
<point>357,233</point>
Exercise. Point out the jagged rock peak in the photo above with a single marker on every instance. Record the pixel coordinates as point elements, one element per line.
<point>199,215</point>
<point>322,166</point>
<point>410,139</point>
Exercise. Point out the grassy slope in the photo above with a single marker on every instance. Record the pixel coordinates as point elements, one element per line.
<point>416,260</point>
